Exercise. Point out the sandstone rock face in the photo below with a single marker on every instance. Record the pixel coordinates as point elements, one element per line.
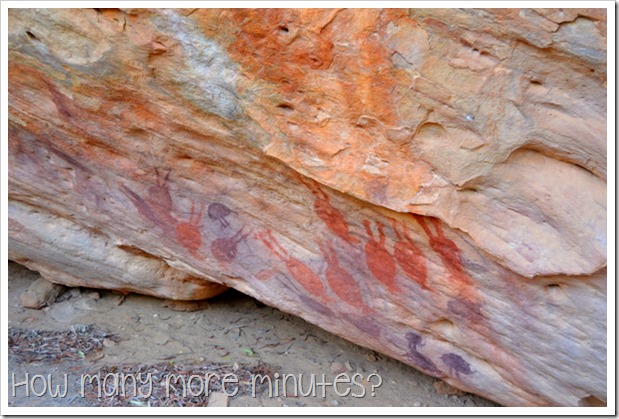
<point>427,183</point>
<point>68,253</point>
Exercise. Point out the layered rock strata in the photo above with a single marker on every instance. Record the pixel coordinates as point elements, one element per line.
<point>430,184</point>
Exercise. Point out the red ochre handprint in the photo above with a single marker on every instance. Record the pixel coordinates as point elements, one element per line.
<point>188,232</point>
<point>379,261</point>
<point>330,215</point>
<point>157,208</point>
<point>447,250</point>
<point>304,276</point>
<point>341,281</point>
<point>467,304</point>
<point>410,258</point>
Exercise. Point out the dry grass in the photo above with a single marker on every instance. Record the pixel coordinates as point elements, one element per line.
<point>53,346</point>
<point>152,385</point>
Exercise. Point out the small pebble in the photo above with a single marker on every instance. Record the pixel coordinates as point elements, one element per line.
<point>119,299</point>
<point>372,357</point>
<point>417,404</point>
<point>80,328</point>
<point>108,343</point>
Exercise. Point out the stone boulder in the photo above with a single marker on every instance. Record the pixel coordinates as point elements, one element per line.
<point>430,184</point>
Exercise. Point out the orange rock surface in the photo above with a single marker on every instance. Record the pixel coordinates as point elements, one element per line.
<point>429,183</point>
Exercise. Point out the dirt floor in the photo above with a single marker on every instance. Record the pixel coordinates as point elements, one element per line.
<point>231,333</point>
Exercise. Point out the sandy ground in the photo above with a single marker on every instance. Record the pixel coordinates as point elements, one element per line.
<point>230,329</point>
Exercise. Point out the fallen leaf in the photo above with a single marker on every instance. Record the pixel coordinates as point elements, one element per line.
<point>248,351</point>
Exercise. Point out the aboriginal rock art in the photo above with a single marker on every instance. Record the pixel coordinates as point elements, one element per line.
<point>419,359</point>
<point>365,323</point>
<point>316,306</point>
<point>225,249</point>
<point>331,216</point>
<point>466,309</point>
<point>219,212</point>
<point>410,258</point>
<point>303,275</point>
<point>308,122</point>
<point>447,250</point>
<point>378,259</point>
<point>188,232</point>
<point>456,364</point>
<point>147,213</point>
<point>157,208</point>
<point>466,305</point>
<point>159,197</point>
<point>340,281</point>
<point>82,175</point>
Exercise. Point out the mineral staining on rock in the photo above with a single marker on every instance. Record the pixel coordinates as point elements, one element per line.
<point>427,183</point>
<point>424,106</point>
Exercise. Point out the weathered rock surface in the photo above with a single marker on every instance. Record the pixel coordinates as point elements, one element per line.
<point>69,253</point>
<point>427,183</point>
